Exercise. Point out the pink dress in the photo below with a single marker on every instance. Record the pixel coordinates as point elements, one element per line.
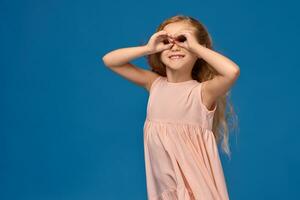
<point>181,155</point>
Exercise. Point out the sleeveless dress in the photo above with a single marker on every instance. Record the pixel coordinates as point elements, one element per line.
<point>181,155</point>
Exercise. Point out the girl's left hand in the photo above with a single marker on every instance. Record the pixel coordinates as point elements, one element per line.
<point>189,42</point>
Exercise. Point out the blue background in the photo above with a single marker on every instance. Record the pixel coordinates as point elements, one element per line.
<point>72,129</point>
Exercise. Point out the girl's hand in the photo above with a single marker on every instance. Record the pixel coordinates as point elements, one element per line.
<point>158,43</point>
<point>186,39</point>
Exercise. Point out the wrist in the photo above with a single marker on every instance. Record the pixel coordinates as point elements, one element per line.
<point>197,48</point>
<point>146,49</point>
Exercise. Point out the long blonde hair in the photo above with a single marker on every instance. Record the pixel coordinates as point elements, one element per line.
<point>201,71</point>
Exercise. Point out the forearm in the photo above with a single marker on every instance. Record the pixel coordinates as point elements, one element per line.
<point>124,55</point>
<point>220,63</point>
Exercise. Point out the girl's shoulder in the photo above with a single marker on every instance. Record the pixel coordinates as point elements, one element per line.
<point>155,82</point>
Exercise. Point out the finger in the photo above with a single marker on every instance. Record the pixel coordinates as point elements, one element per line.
<point>171,40</point>
<point>168,46</point>
<point>162,35</point>
<point>179,44</point>
<point>178,33</point>
<point>185,33</point>
<point>169,35</point>
<point>163,32</point>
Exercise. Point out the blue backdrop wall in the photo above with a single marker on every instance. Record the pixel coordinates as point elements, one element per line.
<point>71,129</point>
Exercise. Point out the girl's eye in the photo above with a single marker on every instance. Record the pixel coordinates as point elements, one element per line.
<point>181,38</point>
<point>166,41</point>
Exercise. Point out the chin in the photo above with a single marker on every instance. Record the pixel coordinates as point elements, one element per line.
<point>175,63</point>
<point>175,66</point>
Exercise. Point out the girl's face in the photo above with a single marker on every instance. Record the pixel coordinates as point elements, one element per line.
<point>189,58</point>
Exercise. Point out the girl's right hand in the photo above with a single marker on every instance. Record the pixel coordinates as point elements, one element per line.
<point>159,41</point>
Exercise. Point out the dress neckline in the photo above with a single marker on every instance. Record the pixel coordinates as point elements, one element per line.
<point>179,83</point>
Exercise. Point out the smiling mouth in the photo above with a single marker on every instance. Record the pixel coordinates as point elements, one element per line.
<point>176,57</point>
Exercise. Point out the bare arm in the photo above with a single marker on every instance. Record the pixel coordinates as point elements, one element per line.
<point>220,84</point>
<point>122,56</point>
<point>119,60</point>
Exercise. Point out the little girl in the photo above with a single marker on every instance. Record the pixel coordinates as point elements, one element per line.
<point>187,85</point>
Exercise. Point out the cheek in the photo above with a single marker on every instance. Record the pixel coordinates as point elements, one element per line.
<point>193,57</point>
<point>163,56</point>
